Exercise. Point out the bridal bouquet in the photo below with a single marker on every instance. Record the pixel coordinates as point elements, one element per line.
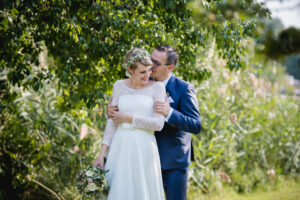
<point>92,183</point>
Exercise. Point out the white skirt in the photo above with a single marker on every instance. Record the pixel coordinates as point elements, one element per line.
<point>134,166</point>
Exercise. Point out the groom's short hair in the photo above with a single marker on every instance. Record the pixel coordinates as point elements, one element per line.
<point>171,53</point>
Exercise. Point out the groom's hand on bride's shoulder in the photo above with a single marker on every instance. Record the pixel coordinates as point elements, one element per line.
<point>162,107</point>
<point>110,110</point>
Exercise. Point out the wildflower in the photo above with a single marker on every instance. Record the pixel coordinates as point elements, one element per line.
<point>83,131</point>
<point>221,91</point>
<point>225,75</point>
<point>271,174</point>
<point>225,177</point>
<point>76,149</point>
<point>252,80</point>
<point>233,117</point>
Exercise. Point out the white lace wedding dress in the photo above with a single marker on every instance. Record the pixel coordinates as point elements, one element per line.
<point>133,159</point>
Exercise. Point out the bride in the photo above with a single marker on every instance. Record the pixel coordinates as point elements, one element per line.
<point>133,159</point>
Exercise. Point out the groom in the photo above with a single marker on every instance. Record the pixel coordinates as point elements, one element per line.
<point>182,118</point>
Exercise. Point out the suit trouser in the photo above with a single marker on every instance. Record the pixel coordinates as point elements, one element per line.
<point>175,183</point>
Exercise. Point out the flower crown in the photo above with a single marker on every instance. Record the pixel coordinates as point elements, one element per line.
<point>137,58</point>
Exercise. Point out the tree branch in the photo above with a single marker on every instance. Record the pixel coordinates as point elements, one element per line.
<point>46,188</point>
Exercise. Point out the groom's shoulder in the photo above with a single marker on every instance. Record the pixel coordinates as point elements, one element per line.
<point>181,82</point>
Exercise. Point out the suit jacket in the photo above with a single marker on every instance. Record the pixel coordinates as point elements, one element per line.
<point>174,140</point>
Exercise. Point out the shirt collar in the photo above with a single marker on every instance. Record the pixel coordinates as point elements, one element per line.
<point>165,82</point>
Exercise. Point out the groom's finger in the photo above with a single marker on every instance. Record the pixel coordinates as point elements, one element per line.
<point>157,109</point>
<point>159,106</point>
<point>159,103</point>
<point>115,108</point>
<point>111,109</point>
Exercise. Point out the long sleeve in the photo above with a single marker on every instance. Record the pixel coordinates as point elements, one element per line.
<point>156,121</point>
<point>188,118</point>
<point>110,128</point>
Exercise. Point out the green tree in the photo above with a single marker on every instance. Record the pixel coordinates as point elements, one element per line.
<point>87,39</point>
<point>286,43</point>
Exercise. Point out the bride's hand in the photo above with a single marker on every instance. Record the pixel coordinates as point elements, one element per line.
<point>99,162</point>
<point>119,117</point>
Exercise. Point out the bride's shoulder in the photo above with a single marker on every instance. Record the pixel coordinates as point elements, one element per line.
<point>157,84</point>
<point>117,84</point>
<point>151,82</point>
<point>120,82</point>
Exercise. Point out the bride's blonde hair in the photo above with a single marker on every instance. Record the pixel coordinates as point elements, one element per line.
<point>135,55</point>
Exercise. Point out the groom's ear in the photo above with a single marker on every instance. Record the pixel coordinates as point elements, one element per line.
<point>171,67</point>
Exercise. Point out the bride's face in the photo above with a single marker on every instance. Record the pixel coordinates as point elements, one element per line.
<point>141,74</point>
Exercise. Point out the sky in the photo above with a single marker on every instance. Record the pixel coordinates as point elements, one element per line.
<point>286,10</point>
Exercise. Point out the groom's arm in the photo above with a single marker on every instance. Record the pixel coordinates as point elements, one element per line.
<point>187,118</point>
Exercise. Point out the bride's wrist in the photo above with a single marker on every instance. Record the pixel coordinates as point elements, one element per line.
<point>101,155</point>
<point>129,119</point>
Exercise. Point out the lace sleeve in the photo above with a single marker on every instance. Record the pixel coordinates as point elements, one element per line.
<point>110,128</point>
<point>156,121</point>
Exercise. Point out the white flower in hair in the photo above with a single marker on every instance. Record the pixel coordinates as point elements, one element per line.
<point>137,58</point>
<point>133,60</point>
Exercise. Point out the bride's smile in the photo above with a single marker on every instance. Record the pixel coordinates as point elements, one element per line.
<point>140,76</point>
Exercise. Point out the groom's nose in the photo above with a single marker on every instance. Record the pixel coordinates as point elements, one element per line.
<point>148,74</point>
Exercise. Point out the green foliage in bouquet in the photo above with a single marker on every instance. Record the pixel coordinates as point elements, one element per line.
<point>92,183</point>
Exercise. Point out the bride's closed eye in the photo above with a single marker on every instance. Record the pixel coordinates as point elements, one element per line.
<point>149,70</point>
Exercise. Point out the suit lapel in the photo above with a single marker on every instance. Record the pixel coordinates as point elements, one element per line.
<point>170,89</point>
<point>170,84</point>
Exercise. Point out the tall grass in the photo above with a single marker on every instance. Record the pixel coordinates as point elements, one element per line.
<point>251,132</point>
<point>51,146</point>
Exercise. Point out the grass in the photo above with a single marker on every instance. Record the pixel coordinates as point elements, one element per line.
<point>286,191</point>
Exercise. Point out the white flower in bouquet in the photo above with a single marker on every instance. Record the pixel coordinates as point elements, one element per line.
<point>91,187</point>
<point>89,173</point>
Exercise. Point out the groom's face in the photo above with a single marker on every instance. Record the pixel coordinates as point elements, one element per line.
<point>161,69</point>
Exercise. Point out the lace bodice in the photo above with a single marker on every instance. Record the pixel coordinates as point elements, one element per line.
<point>139,103</point>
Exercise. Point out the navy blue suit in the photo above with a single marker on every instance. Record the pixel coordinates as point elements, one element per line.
<point>174,140</point>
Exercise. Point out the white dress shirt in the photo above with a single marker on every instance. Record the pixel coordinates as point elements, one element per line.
<point>165,82</point>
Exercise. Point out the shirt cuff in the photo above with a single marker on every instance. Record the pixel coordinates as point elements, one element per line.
<point>169,115</point>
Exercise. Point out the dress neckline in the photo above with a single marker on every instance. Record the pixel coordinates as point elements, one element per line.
<point>146,88</point>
